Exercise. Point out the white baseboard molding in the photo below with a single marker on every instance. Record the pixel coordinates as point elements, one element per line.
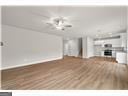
<point>31,63</point>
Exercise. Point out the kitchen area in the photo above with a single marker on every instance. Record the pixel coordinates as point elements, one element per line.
<point>114,46</point>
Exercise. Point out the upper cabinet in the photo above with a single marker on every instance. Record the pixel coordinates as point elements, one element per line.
<point>116,42</point>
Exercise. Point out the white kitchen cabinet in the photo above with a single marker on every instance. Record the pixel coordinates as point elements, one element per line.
<point>102,53</point>
<point>115,42</point>
<point>121,57</point>
<point>114,54</point>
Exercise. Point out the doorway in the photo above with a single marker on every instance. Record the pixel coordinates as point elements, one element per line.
<point>72,47</point>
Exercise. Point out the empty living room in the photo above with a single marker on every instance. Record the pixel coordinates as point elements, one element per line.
<point>64,47</point>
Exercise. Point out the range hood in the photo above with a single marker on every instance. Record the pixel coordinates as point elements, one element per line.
<point>108,45</point>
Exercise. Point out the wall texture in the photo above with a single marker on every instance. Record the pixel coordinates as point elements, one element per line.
<point>23,47</point>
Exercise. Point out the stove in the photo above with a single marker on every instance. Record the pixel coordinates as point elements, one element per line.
<point>108,51</point>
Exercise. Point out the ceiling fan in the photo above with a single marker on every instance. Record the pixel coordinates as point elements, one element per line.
<point>59,23</point>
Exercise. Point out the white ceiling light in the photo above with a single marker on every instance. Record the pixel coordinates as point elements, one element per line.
<point>58,23</point>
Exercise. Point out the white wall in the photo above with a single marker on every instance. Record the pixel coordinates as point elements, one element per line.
<point>127,45</point>
<point>0,38</point>
<point>22,47</point>
<point>72,47</point>
<point>127,35</point>
<point>65,47</point>
<point>124,40</point>
<point>84,44</point>
<point>88,47</point>
<point>0,47</point>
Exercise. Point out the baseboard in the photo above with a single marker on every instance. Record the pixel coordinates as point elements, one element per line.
<point>31,63</point>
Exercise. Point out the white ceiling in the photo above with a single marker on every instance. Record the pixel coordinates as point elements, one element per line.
<point>85,20</point>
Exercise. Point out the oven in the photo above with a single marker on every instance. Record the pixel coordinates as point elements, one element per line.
<point>108,51</point>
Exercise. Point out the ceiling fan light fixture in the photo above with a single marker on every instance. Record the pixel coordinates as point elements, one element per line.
<point>58,27</point>
<point>59,23</point>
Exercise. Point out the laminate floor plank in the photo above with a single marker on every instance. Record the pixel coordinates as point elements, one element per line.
<point>70,73</point>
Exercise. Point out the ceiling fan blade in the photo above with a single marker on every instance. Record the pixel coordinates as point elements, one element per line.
<point>67,25</point>
<point>49,23</point>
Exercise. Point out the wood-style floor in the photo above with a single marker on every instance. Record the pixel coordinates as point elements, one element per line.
<point>68,73</point>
